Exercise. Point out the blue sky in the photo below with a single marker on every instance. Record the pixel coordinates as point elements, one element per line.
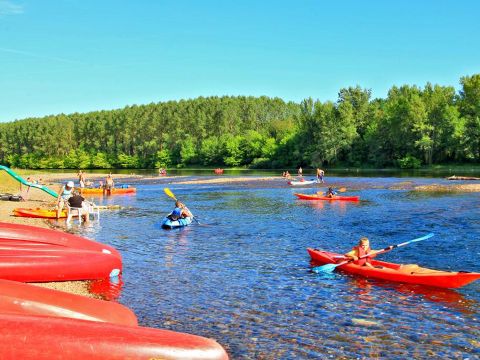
<point>69,56</point>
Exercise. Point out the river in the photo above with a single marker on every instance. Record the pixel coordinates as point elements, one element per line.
<point>242,275</point>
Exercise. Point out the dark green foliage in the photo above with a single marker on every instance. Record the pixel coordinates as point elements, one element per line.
<point>411,127</point>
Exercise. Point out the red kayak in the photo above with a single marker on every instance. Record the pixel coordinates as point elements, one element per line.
<point>26,299</point>
<point>33,254</point>
<point>321,197</point>
<point>17,234</point>
<point>408,273</point>
<point>43,337</point>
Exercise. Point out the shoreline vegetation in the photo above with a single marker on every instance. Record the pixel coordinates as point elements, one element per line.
<point>410,128</point>
<point>37,198</point>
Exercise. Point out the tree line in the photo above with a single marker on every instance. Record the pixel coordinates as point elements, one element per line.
<point>411,127</point>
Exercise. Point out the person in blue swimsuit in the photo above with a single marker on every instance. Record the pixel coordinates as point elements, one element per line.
<point>180,211</point>
<point>63,197</point>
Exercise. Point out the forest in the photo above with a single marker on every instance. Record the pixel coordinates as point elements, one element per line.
<point>410,128</point>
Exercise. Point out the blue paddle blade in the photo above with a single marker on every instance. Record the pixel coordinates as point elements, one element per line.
<point>328,268</point>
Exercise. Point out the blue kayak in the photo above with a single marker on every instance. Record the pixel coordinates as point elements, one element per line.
<point>171,224</point>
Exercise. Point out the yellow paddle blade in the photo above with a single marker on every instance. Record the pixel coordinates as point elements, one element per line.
<point>342,189</point>
<point>170,193</point>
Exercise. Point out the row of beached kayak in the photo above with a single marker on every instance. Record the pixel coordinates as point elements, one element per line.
<point>40,323</point>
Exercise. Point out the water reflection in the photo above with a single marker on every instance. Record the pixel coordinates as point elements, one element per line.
<point>107,289</point>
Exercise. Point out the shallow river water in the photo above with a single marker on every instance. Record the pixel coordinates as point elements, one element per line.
<point>242,276</point>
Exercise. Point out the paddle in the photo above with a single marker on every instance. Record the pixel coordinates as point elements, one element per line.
<point>328,268</point>
<point>170,193</point>
<point>342,189</point>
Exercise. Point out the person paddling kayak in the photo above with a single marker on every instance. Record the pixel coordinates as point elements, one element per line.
<point>180,211</point>
<point>362,249</point>
<point>330,192</point>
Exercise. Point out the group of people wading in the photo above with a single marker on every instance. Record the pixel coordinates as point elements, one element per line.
<point>107,186</point>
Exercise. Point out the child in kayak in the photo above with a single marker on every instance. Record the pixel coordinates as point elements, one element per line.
<point>362,249</point>
<point>330,193</point>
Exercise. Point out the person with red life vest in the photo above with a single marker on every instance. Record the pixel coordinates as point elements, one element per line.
<point>363,248</point>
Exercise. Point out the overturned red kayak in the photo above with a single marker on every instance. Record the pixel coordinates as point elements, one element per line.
<point>26,299</point>
<point>18,234</point>
<point>404,273</point>
<point>33,254</point>
<point>321,197</point>
<point>42,337</point>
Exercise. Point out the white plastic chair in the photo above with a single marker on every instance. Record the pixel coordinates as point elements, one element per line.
<point>74,211</point>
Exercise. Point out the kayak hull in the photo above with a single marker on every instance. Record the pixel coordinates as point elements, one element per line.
<point>39,213</point>
<point>335,198</point>
<point>114,191</point>
<point>26,299</point>
<point>404,273</point>
<point>43,337</point>
<point>172,224</point>
<point>33,254</point>
<point>302,183</point>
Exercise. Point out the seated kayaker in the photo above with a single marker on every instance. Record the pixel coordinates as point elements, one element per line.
<point>362,249</point>
<point>330,192</point>
<point>180,211</point>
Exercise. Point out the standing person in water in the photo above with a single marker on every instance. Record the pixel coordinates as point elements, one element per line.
<point>300,171</point>
<point>63,197</point>
<point>81,178</point>
<point>320,174</point>
<point>109,184</point>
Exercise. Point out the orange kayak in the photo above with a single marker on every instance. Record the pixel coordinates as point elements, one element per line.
<point>114,191</point>
<point>38,213</point>
<point>408,273</point>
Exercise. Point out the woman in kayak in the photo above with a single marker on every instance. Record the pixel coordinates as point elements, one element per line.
<point>363,248</point>
<point>180,211</point>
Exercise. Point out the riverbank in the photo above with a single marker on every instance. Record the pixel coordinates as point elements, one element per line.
<point>35,198</point>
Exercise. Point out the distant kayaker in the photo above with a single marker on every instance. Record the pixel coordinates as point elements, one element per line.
<point>180,211</point>
<point>330,193</point>
<point>362,249</point>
